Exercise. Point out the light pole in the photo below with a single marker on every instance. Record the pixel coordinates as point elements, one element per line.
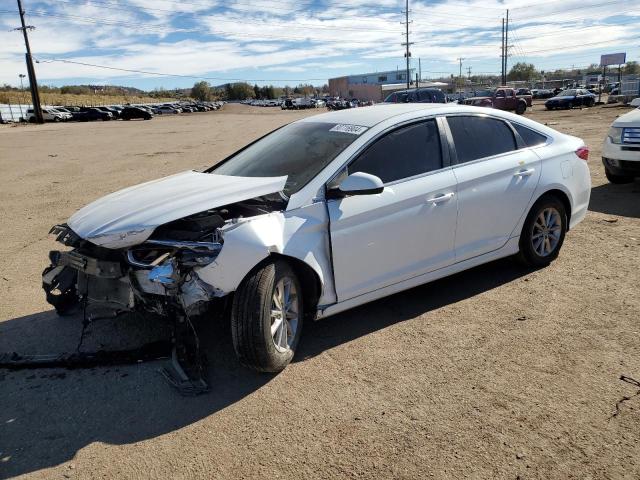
<point>22,90</point>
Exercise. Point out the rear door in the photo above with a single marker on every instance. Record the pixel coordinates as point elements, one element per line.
<point>496,181</point>
<point>409,228</point>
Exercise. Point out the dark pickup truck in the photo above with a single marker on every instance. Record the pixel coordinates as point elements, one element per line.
<point>502,98</point>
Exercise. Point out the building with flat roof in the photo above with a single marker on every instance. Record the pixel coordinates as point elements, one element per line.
<point>367,86</point>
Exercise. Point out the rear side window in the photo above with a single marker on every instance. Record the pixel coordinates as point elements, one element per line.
<point>402,153</point>
<point>530,138</point>
<point>479,137</point>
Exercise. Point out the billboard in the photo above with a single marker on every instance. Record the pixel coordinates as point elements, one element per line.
<point>613,59</point>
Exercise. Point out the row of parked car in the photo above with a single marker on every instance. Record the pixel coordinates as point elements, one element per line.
<point>119,112</point>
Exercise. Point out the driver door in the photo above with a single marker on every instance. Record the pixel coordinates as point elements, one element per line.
<point>408,229</point>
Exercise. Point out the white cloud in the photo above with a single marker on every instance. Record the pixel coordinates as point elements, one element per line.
<point>203,36</point>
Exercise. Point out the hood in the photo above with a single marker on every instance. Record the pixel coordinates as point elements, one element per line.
<point>630,119</point>
<point>129,216</point>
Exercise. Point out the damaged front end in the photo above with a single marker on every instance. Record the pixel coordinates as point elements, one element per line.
<point>157,276</point>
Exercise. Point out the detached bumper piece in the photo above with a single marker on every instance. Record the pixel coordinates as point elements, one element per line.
<point>146,353</point>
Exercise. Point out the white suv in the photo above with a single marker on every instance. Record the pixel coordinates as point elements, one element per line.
<point>49,115</point>
<point>621,149</point>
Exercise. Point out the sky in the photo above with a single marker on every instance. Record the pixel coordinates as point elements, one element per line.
<point>284,42</point>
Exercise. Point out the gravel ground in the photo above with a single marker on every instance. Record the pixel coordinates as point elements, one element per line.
<point>497,372</point>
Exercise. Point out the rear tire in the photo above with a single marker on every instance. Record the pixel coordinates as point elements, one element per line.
<point>265,330</point>
<point>617,179</point>
<point>543,232</point>
<point>521,108</point>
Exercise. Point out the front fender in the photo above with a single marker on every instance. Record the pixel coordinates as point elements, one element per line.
<point>301,233</point>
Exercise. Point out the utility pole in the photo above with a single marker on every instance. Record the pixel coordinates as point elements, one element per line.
<point>35,97</point>
<point>502,76</point>
<point>407,53</point>
<point>419,70</point>
<point>460,74</point>
<point>506,47</point>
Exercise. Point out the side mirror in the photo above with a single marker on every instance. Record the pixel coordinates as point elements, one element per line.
<point>358,183</point>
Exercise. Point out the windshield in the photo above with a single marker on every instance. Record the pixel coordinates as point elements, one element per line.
<point>567,93</point>
<point>484,93</point>
<point>299,151</point>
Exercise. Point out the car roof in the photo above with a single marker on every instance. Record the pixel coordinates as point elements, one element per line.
<point>370,116</point>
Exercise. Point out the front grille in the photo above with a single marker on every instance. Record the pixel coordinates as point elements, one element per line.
<point>631,135</point>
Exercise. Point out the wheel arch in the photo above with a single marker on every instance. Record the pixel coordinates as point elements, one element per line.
<point>560,195</point>
<point>308,277</point>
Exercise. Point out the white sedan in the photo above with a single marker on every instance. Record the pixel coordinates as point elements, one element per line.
<point>322,215</point>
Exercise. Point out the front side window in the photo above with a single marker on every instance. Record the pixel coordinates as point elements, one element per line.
<point>478,137</point>
<point>402,153</point>
<point>298,150</point>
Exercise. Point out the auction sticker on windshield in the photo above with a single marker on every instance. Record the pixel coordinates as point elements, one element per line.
<point>352,129</point>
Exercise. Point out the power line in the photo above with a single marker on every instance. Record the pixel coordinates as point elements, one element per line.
<point>164,74</point>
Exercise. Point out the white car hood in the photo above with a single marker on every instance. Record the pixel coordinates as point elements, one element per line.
<point>129,216</point>
<point>631,119</point>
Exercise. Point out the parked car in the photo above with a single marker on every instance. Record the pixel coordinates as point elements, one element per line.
<point>49,114</point>
<point>129,113</point>
<point>258,225</point>
<point>502,98</point>
<point>89,114</point>
<point>621,148</point>
<point>166,109</point>
<point>297,104</point>
<point>115,114</point>
<point>574,97</point>
<point>542,93</point>
<point>417,95</point>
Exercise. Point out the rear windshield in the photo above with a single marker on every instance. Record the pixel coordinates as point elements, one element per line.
<point>298,150</point>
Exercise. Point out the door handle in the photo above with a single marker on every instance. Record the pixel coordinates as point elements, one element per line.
<point>524,173</point>
<point>443,197</point>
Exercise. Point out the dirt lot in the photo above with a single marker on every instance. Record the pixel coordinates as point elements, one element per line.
<point>497,372</point>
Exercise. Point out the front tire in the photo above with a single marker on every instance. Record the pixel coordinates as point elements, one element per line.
<point>266,317</point>
<point>543,232</point>
<point>617,179</point>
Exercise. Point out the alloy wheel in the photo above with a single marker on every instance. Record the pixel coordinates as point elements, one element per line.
<point>284,314</point>
<point>546,231</point>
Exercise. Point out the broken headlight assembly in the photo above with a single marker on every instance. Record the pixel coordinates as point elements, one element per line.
<point>153,253</point>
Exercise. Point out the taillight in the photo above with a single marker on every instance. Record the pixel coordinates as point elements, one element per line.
<point>583,153</point>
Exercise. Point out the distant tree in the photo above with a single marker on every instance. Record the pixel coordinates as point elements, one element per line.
<point>256,90</point>
<point>238,91</point>
<point>631,68</point>
<point>201,91</point>
<point>522,71</point>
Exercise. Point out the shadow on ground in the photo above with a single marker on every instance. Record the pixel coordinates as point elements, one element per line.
<point>46,416</point>
<point>623,200</point>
